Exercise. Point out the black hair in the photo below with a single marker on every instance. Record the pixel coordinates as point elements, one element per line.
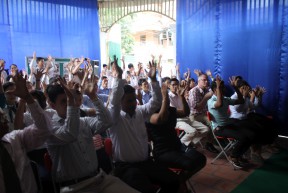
<point>7,84</point>
<point>103,77</point>
<point>53,91</point>
<point>174,79</point>
<point>13,65</point>
<point>241,83</point>
<point>40,97</point>
<point>214,85</point>
<point>130,65</point>
<point>165,79</point>
<point>140,81</point>
<point>39,59</point>
<point>239,77</point>
<point>104,65</point>
<point>128,89</point>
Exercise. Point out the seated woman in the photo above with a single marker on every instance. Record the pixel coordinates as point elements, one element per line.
<point>167,147</point>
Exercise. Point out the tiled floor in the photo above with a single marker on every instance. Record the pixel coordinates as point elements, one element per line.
<point>220,177</point>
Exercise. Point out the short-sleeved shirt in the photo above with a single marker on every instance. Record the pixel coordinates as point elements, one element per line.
<point>220,116</point>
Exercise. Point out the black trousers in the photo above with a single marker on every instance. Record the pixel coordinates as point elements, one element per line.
<point>190,161</point>
<point>245,137</point>
<point>147,176</point>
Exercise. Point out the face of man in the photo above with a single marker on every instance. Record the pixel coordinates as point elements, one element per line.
<point>60,105</point>
<point>203,81</point>
<point>105,83</point>
<point>129,103</point>
<point>145,86</point>
<point>10,98</point>
<point>174,86</point>
<point>40,64</point>
<point>192,84</point>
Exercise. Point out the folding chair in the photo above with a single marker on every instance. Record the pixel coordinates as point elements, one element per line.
<point>190,185</point>
<point>226,148</point>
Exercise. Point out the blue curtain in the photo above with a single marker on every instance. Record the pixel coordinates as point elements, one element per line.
<point>62,28</point>
<point>238,37</point>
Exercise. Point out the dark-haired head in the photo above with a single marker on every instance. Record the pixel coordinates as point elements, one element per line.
<point>129,102</point>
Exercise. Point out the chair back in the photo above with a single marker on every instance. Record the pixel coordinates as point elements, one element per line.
<point>108,146</point>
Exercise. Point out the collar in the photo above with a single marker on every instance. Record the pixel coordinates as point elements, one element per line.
<point>172,94</point>
<point>126,115</point>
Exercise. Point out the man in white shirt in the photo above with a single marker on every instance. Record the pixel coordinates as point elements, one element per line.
<point>74,161</point>
<point>194,130</point>
<point>130,139</point>
<point>18,142</point>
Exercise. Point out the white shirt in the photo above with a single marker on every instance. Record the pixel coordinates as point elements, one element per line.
<point>18,142</point>
<point>70,145</point>
<point>128,134</point>
<point>240,111</point>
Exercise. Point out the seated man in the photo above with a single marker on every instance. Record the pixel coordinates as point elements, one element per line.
<point>198,97</point>
<point>194,130</point>
<point>74,161</point>
<point>130,139</point>
<point>167,148</point>
<point>244,113</point>
<point>222,125</point>
<point>16,175</point>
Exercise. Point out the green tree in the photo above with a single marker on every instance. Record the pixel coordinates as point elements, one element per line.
<point>127,40</point>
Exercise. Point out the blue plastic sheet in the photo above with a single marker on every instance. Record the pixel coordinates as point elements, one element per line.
<point>62,28</point>
<point>238,37</point>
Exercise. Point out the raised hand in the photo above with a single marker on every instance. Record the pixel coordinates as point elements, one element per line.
<point>218,81</point>
<point>246,90</point>
<point>197,72</point>
<point>21,89</point>
<point>233,81</point>
<point>38,75</point>
<point>34,55</point>
<point>49,58</point>
<point>116,70</point>
<point>74,96</point>
<point>208,73</point>
<point>115,60</point>
<point>152,71</point>
<point>181,90</point>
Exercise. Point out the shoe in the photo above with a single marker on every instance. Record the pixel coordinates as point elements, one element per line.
<point>211,148</point>
<point>243,161</point>
<point>257,158</point>
<point>236,163</point>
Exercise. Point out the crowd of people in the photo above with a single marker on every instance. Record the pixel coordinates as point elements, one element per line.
<point>70,117</point>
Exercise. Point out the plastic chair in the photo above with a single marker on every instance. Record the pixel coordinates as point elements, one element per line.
<point>108,150</point>
<point>48,166</point>
<point>224,149</point>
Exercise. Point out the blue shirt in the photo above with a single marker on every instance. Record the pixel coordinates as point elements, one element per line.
<point>220,116</point>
